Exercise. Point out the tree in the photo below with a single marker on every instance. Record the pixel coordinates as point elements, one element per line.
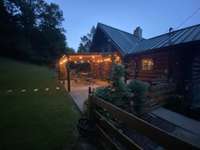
<point>70,50</point>
<point>32,30</point>
<point>86,41</point>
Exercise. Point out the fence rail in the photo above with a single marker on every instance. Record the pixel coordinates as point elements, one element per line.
<point>107,129</point>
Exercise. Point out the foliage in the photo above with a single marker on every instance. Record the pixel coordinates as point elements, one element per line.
<point>70,50</point>
<point>118,72</point>
<point>104,93</point>
<point>138,88</point>
<point>120,93</point>
<point>86,41</point>
<point>31,30</point>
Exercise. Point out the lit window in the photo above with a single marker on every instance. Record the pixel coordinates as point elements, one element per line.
<point>147,64</point>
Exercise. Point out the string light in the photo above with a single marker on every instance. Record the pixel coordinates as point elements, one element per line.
<point>89,59</point>
<point>107,60</point>
<point>63,61</point>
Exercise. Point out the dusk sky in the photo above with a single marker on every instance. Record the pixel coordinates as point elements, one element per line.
<point>153,16</point>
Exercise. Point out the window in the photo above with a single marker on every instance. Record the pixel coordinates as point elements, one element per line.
<point>147,64</point>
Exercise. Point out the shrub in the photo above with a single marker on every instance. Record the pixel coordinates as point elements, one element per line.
<point>139,89</point>
<point>104,93</point>
<point>118,71</point>
<point>120,93</point>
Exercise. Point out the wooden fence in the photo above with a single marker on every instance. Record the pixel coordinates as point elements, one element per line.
<point>107,129</point>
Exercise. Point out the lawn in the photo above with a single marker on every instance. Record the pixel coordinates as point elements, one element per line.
<point>43,120</point>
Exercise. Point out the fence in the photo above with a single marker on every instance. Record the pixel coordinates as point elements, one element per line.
<point>107,129</point>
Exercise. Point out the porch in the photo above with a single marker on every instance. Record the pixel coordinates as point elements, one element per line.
<point>81,70</point>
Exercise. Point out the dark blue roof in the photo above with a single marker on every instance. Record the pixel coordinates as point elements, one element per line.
<point>128,43</point>
<point>124,40</point>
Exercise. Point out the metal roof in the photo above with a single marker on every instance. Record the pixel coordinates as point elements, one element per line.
<point>128,43</point>
<point>124,40</point>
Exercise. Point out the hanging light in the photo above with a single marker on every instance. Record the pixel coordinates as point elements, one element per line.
<point>80,57</point>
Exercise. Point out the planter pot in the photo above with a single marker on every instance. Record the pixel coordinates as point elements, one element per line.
<point>86,128</point>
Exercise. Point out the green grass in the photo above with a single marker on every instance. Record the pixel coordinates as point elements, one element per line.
<point>34,120</point>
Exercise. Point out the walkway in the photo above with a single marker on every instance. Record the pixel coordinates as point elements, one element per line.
<point>79,92</point>
<point>178,119</point>
<point>187,128</point>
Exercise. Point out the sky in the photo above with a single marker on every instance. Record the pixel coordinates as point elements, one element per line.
<point>153,16</point>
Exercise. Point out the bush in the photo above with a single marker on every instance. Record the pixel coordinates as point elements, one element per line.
<point>104,93</point>
<point>120,93</point>
<point>118,71</point>
<point>139,89</point>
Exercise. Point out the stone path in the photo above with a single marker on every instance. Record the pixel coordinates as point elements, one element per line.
<point>186,128</point>
<point>79,92</point>
<point>178,119</point>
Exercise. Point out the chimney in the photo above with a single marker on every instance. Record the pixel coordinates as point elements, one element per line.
<point>170,35</point>
<point>138,33</point>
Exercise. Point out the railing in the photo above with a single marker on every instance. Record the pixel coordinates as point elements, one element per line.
<point>106,128</point>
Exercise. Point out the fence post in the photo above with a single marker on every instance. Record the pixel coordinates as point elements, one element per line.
<point>90,104</point>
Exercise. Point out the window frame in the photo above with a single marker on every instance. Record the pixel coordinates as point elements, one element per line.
<point>149,66</point>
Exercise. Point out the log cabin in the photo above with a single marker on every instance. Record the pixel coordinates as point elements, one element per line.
<point>172,58</point>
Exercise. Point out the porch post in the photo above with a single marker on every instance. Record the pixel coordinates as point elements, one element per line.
<point>68,78</point>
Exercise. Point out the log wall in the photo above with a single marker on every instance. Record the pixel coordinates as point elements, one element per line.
<point>160,68</point>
